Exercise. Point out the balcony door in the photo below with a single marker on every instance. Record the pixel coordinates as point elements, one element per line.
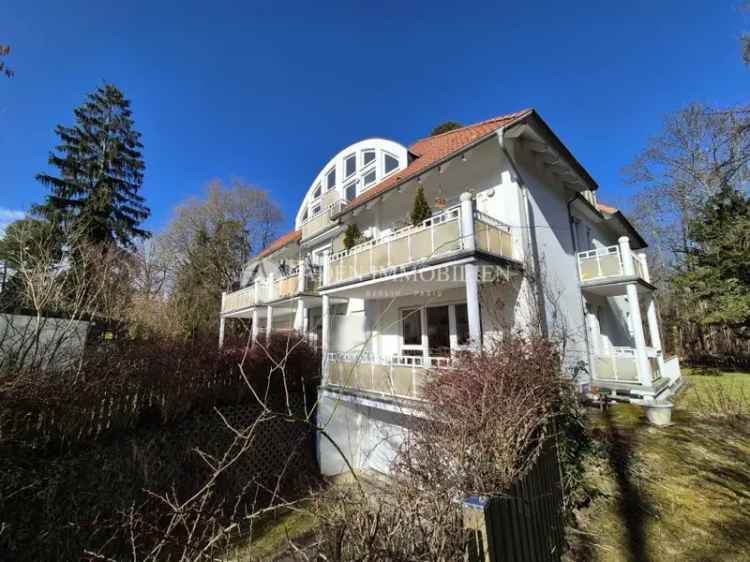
<point>434,331</point>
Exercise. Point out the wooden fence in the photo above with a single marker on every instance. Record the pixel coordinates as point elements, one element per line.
<point>526,523</point>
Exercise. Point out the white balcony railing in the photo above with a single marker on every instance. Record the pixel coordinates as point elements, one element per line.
<point>398,375</point>
<point>246,297</point>
<point>620,364</point>
<point>603,263</point>
<point>438,235</point>
<point>320,221</point>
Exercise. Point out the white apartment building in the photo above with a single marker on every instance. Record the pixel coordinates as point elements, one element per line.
<point>516,242</point>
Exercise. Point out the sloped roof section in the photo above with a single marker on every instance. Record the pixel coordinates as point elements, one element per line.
<point>431,150</point>
<point>288,238</point>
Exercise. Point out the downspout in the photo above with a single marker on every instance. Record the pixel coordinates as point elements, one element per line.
<point>528,233</point>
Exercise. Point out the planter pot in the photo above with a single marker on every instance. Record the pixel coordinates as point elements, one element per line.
<point>659,413</point>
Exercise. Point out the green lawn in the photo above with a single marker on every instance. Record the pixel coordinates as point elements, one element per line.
<point>680,493</point>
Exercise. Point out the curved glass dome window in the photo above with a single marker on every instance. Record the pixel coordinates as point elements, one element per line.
<point>354,170</point>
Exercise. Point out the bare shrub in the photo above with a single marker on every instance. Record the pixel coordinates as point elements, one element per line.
<point>717,401</point>
<point>487,418</point>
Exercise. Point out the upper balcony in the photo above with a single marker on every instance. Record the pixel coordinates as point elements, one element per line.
<point>269,290</point>
<point>439,236</point>
<point>607,267</point>
<point>321,220</point>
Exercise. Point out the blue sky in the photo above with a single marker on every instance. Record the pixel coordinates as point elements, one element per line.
<point>269,91</point>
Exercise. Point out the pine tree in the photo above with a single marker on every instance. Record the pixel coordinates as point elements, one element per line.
<point>352,236</point>
<point>421,210</point>
<point>100,171</point>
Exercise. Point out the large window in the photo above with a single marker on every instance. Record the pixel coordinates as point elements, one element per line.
<point>462,324</point>
<point>317,191</point>
<point>350,165</point>
<point>391,163</point>
<point>444,327</point>
<point>411,327</point>
<point>438,330</point>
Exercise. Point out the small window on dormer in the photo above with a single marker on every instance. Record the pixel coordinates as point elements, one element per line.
<point>331,178</point>
<point>391,163</point>
<point>368,157</point>
<point>316,210</point>
<point>317,191</point>
<point>304,217</point>
<point>369,178</point>
<point>350,165</point>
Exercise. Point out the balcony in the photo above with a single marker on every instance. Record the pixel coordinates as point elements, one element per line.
<point>321,221</point>
<point>439,236</point>
<point>620,365</point>
<point>247,297</point>
<point>607,264</point>
<point>400,376</point>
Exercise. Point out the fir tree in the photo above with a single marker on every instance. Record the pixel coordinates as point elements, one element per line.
<point>100,172</point>
<point>421,210</point>
<point>352,236</point>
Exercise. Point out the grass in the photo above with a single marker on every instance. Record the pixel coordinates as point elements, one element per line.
<point>680,493</point>
<point>273,533</point>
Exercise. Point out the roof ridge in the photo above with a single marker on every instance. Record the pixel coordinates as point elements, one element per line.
<point>502,117</point>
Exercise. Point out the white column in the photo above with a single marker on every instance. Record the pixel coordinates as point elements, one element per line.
<point>467,222</point>
<point>269,322</point>
<point>255,327</point>
<point>644,267</point>
<point>221,332</point>
<point>301,278</point>
<point>644,368</point>
<point>653,328</point>
<point>625,255</point>
<point>324,343</point>
<point>471,272</point>
<point>299,315</point>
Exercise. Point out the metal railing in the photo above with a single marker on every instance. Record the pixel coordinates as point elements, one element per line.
<point>397,375</point>
<point>603,263</point>
<point>492,236</point>
<point>438,235</point>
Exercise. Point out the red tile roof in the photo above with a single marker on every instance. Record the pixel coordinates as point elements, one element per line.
<point>606,208</point>
<point>428,151</point>
<point>288,238</point>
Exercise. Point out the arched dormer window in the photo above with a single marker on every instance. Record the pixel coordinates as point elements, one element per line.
<point>357,168</point>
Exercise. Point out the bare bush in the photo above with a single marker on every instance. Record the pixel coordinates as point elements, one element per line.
<point>717,401</point>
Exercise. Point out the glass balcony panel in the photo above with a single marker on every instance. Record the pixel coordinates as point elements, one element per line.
<point>399,251</point>
<point>421,244</point>
<point>610,265</point>
<point>362,263</point>
<point>627,369</point>
<point>380,257</point>
<point>589,268</point>
<point>447,237</point>
<point>402,381</point>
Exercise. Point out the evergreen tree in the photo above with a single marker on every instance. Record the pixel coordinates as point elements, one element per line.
<point>717,276</point>
<point>421,210</point>
<point>352,236</point>
<point>100,172</point>
<point>445,127</point>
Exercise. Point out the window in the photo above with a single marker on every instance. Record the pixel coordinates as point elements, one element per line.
<point>438,331</point>
<point>462,324</point>
<point>304,217</point>
<point>350,165</point>
<point>331,178</point>
<point>369,178</point>
<point>391,163</point>
<point>316,210</point>
<point>411,323</point>
<point>368,157</point>
<point>317,191</point>
<point>351,191</point>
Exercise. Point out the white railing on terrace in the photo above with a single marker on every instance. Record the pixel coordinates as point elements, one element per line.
<point>398,375</point>
<point>620,365</point>
<point>244,298</point>
<point>438,235</point>
<point>321,220</point>
<point>602,263</point>
<point>492,236</point>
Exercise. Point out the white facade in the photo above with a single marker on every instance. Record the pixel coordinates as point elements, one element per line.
<point>516,242</point>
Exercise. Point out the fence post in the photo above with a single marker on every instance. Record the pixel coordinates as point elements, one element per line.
<point>477,547</point>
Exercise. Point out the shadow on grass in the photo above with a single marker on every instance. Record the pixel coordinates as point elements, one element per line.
<point>632,505</point>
